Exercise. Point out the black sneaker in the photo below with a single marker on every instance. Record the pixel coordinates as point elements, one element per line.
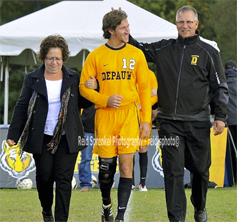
<point>47,216</point>
<point>200,215</point>
<point>107,213</point>
<point>117,220</point>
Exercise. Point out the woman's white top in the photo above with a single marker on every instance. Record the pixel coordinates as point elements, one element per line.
<point>54,104</point>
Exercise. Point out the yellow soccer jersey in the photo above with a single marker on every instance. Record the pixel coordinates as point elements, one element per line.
<point>154,85</point>
<point>118,71</point>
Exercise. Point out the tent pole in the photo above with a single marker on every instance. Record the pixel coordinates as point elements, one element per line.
<point>2,67</point>
<point>83,57</point>
<point>6,92</point>
<point>33,55</point>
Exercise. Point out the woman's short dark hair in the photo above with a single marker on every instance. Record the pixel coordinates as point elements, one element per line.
<point>111,20</point>
<point>53,41</point>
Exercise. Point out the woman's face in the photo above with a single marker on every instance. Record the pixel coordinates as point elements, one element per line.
<point>53,61</point>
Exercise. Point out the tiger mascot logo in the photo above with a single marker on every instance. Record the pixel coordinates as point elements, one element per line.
<point>16,165</point>
<point>157,160</point>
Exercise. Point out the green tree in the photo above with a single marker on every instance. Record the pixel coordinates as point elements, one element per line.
<point>167,9</point>
<point>223,21</point>
<point>157,7</point>
<point>9,11</point>
<point>205,15</point>
<point>217,20</point>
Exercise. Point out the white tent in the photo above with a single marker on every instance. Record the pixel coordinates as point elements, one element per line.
<point>80,23</point>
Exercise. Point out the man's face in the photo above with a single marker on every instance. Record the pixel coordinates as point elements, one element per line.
<point>122,31</point>
<point>186,24</point>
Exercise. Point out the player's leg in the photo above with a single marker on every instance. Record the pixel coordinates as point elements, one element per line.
<point>128,144</point>
<point>143,161</point>
<point>125,183</point>
<point>107,152</point>
<point>133,178</point>
<point>107,169</point>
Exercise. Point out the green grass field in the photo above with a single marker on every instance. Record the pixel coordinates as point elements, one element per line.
<point>23,205</point>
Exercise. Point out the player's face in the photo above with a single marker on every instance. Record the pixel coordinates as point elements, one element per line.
<point>186,24</point>
<point>122,31</point>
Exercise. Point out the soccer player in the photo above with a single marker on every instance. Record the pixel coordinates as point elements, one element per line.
<point>119,68</point>
<point>143,158</point>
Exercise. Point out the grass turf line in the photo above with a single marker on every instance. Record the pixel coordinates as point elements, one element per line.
<point>23,205</point>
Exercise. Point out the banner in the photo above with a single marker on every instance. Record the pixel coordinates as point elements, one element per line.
<point>218,152</point>
<point>12,167</point>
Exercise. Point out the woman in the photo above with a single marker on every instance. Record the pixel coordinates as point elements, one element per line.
<point>47,114</point>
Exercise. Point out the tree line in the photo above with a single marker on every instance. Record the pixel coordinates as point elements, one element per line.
<point>217,22</point>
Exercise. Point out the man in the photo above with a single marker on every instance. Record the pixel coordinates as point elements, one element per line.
<point>189,72</point>
<point>231,77</point>
<point>118,68</point>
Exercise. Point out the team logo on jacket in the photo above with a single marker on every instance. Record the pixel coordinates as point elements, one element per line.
<point>14,164</point>
<point>194,59</point>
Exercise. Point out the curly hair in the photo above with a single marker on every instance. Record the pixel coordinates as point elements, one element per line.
<point>111,20</point>
<point>53,41</point>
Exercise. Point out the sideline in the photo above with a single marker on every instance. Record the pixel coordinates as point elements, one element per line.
<point>129,208</point>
